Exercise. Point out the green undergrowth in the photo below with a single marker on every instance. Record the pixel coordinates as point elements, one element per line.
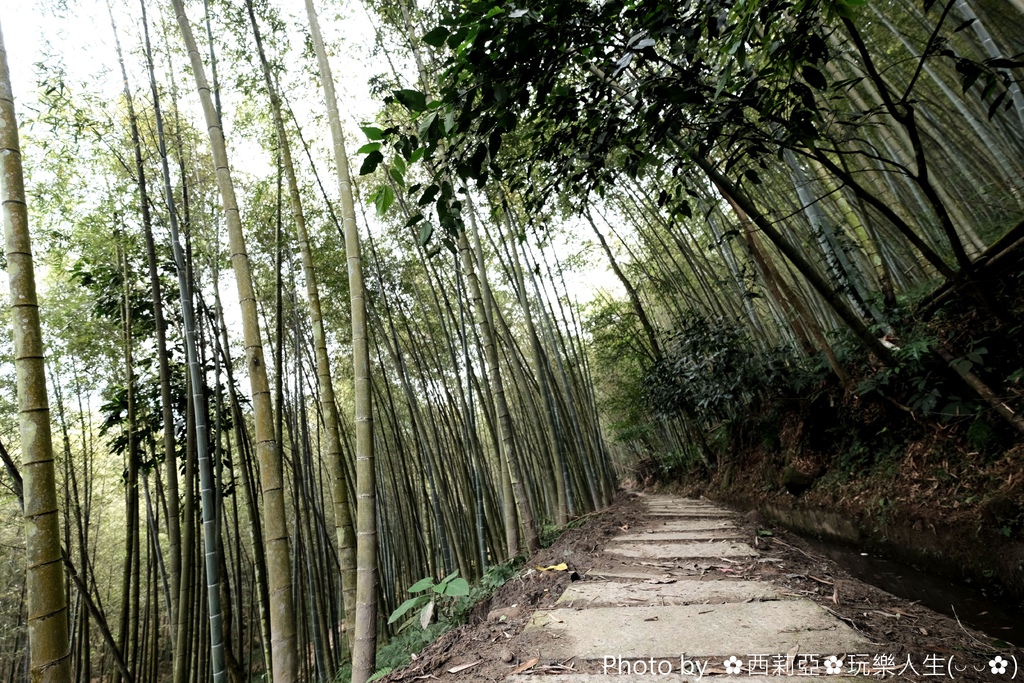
<point>412,638</point>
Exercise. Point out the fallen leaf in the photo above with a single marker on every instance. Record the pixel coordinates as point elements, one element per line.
<point>561,567</point>
<point>463,667</point>
<point>523,667</point>
<point>791,656</point>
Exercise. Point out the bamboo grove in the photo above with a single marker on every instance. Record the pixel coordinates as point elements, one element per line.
<point>290,377</point>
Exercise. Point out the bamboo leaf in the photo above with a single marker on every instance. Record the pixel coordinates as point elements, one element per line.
<point>814,78</point>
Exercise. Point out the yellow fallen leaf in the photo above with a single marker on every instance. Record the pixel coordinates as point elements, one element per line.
<point>554,568</point>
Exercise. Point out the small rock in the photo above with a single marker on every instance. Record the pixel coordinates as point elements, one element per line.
<point>506,656</point>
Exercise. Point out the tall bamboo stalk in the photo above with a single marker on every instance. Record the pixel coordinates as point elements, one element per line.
<point>278,554</point>
<point>49,650</point>
<point>365,631</point>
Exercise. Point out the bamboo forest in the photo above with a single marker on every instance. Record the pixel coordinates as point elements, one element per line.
<point>333,322</point>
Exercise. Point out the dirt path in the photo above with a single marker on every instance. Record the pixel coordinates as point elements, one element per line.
<point>682,589</point>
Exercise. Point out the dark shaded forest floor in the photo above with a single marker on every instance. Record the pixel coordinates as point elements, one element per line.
<point>492,644</point>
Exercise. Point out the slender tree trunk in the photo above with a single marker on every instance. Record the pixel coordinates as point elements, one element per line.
<point>279,572</point>
<point>364,649</point>
<point>504,418</point>
<point>49,649</point>
<point>342,515</point>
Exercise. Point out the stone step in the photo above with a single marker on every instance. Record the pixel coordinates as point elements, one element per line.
<point>698,535</point>
<point>590,594</point>
<point>620,574</point>
<point>665,524</point>
<point>693,549</point>
<point>690,513</point>
<point>657,504</point>
<point>736,629</point>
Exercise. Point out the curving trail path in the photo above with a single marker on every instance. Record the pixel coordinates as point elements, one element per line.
<point>663,601</point>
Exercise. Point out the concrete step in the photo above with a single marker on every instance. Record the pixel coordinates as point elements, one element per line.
<point>620,574</point>
<point>693,549</point>
<point>665,524</point>
<point>697,630</point>
<point>590,594</point>
<point>691,513</point>
<point>699,535</point>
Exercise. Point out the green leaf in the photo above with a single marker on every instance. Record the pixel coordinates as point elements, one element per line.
<point>436,37</point>
<point>411,99</point>
<point>372,132</point>
<point>425,232</point>
<point>428,195</point>
<point>397,176</point>
<point>964,25</point>
<point>371,162</point>
<point>425,126</point>
<point>409,604</point>
<point>723,80</point>
<point>422,585</point>
<point>384,198</point>
<point>814,78</point>
<point>457,587</point>
<point>369,147</point>
<point>845,8</point>
<point>995,104</point>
